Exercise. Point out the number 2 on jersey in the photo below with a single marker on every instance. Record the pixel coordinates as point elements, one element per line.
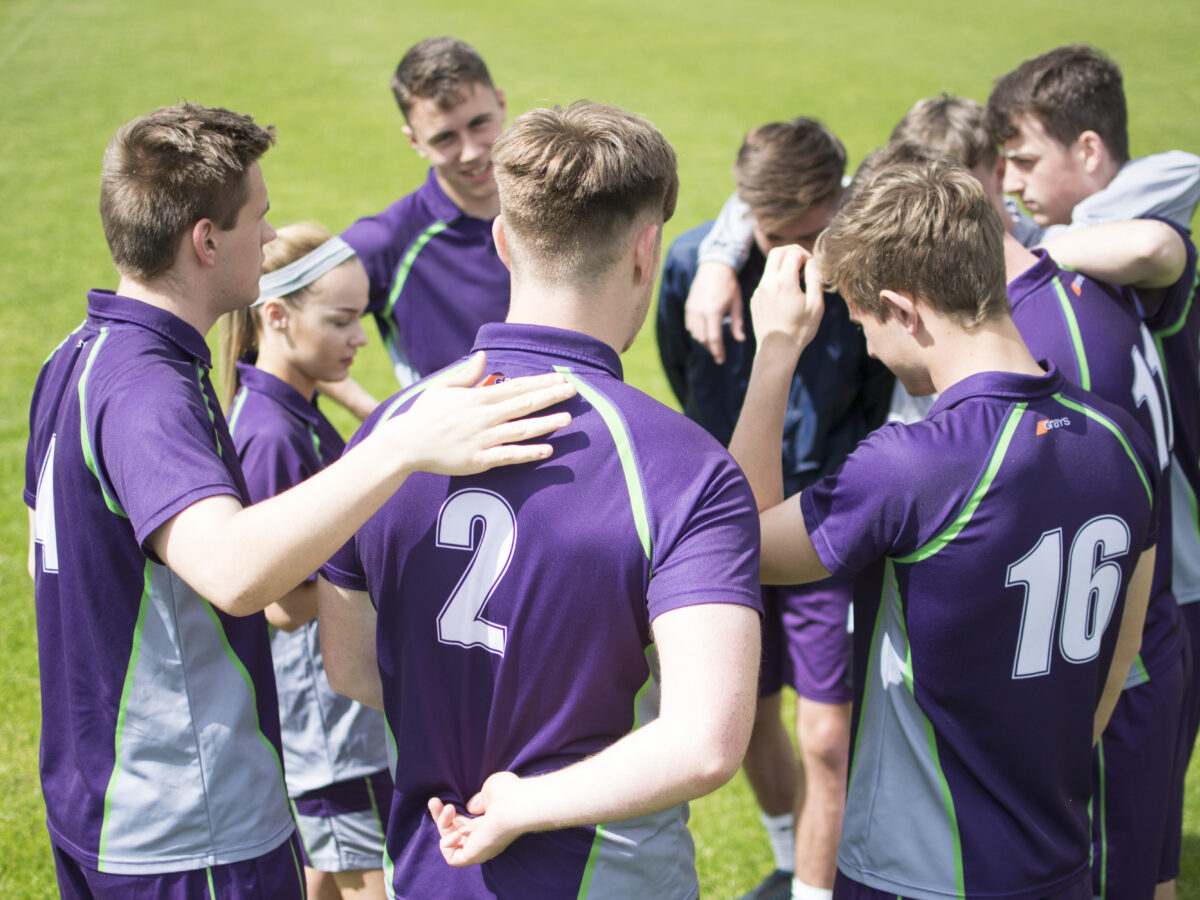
<point>461,620</point>
<point>1093,580</point>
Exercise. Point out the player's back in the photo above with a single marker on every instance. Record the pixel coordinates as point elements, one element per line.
<point>996,539</point>
<point>514,618</point>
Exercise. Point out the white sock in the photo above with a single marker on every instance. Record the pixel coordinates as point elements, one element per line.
<point>802,891</point>
<point>782,839</point>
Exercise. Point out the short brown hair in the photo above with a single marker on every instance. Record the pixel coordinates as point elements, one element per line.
<point>439,69</point>
<point>1070,90</point>
<point>574,181</point>
<point>168,170</point>
<point>925,227</point>
<point>785,170</point>
<point>956,126</point>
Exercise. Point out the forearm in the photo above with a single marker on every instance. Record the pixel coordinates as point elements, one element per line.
<point>350,394</point>
<point>348,643</point>
<point>1142,253</point>
<point>729,240</point>
<point>759,432</point>
<point>1129,640</point>
<point>294,609</point>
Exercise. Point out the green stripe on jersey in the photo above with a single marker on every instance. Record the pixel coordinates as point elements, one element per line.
<point>235,409</point>
<point>415,389</point>
<point>1085,375</point>
<point>1120,436</point>
<point>616,427</point>
<point>406,263</point>
<point>85,438</point>
<point>989,475</point>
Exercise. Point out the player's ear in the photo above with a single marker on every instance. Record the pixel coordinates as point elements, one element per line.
<point>1092,150</point>
<point>501,239</point>
<point>275,314</point>
<point>202,242</point>
<point>412,140</point>
<point>645,253</point>
<point>501,101</point>
<point>902,307</point>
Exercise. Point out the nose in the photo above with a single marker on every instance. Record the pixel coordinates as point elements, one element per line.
<point>268,232</point>
<point>1012,184</point>
<point>358,337</point>
<point>474,149</point>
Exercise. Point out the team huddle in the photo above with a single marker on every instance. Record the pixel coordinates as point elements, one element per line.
<point>938,472</point>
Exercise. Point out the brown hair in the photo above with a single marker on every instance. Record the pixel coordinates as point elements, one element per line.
<point>574,181</point>
<point>439,69</point>
<point>925,227</point>
<point>240,329</point>
<point>1070,90</point>
<point>786,169</point>
<point>953,125</point>
<point>168,170</point>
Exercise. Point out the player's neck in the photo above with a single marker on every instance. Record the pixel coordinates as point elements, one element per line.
<point>172,295</point>
<point>993,346</point>
<point>602,313</point>
<point>1017,258</point>
<point>274,361</point>
<point>486,208</point>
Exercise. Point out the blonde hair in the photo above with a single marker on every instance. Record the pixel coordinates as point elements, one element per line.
<point>241,329</point>
<point>956,126</point>
<point>922,226</point>
<point>574,181</point>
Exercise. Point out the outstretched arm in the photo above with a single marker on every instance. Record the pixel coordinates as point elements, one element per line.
<point>241,559</point>
<point>709,656</point>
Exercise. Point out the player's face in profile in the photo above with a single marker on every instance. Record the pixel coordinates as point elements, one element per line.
<point>242,259</point>
<point>458,144</point>
<point>1048,177</point>
<point>888,342</point>
<point>325,332</point>
<point>802,230</point>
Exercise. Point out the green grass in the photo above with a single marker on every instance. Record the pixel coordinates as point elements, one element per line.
<point>72,72</point>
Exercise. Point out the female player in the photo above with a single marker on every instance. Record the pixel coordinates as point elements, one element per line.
<point>304,329</point>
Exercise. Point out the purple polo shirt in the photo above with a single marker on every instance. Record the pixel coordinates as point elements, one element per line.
<point>992,543</point>
<point>515,612</point>
<point>282,438</point>
<point>160,736</point>
<point>1092,333</point>
<point>435,278</point>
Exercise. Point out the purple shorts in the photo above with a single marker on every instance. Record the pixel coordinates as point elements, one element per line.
<point>1168,868</point>
<point>806,641</point>
<point>273,875</point>
<point>342,826</point>
<point>1133,778</point>
<point>846,889</point>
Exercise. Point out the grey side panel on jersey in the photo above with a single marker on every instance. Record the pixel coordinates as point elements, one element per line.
<point>895,821</point>
<point>185,698</point>
<point>1185,538</point>
<point>650,856</point>
<point>327,737</point>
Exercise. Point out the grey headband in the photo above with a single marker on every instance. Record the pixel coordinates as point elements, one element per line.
<point>304,271</point>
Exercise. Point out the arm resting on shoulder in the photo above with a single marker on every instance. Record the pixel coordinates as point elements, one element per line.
<point>1141,253</point>
<point>709,655</point>
<point>294,609</point>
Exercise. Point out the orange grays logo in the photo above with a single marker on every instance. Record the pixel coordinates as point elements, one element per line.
<point>1077,285</point>
<point>494,378</point>
<point>1045,426</point>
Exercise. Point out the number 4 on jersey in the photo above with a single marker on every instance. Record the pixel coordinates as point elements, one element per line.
<point>1093,581</point>
<point>461,620</point>
<point>43,513</point>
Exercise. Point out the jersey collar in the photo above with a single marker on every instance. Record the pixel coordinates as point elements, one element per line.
<point>255,379</point>
<point>573,347</point>
<point>110,306</point>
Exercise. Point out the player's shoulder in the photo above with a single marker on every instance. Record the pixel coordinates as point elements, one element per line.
<point>392,227</point>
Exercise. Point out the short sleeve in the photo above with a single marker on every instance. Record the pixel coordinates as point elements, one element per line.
<point>709,547</point>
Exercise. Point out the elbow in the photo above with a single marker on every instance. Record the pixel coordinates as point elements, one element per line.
<point>1163,254</point>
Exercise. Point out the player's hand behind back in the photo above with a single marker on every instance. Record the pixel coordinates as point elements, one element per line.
<point>454,428</point>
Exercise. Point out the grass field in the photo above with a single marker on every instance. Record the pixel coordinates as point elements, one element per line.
<point>704,72</point>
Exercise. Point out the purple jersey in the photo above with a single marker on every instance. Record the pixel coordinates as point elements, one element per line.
<point>992,542</point>
<point>435,278</point>
<point>282,439</point>
<point>160,734</point>
<point>1092,333</point>
<point>515,612</point>
<point>1175,325</point>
